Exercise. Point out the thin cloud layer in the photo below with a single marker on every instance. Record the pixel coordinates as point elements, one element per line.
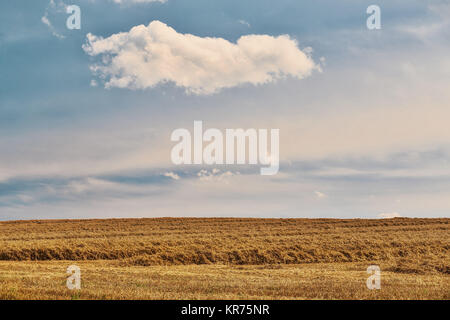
<point>149,55</point>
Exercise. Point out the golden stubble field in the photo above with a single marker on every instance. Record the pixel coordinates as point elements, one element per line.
<point>225,258</point>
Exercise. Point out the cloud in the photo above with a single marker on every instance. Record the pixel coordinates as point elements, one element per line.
<point>88,184</point>
<point>172,175</point>
<point>319,194</point>
<point>53,7</point>
<point>45,20</point>
<point>436,26</point>
<point>389,215</point>
<point>149,55</point>
<point>215,175</point>
<point>245,23</point>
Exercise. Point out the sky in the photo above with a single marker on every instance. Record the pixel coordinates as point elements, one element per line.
<point>86,115</point>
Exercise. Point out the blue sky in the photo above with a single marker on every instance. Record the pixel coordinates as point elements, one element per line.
<point>363,133</point>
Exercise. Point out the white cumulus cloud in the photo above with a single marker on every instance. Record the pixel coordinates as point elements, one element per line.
<point>148,55</point>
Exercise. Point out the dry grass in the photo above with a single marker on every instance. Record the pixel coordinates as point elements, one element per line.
<point>225,258</point>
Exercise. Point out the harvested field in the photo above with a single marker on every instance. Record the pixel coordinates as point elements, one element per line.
<point>331,256</point>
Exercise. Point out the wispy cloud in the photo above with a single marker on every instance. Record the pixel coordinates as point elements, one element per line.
<point>389,215</point>
<point>215,175</point>
<point>54,6</point>
<point>320,195</point>
<point>245,23</point>
<point>435,25</point>
<point>172,175</point>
